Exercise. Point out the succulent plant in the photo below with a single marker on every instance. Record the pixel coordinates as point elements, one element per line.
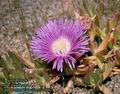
<point>101,21</point>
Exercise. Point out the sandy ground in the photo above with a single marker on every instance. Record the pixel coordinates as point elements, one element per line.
<point>35,13</point>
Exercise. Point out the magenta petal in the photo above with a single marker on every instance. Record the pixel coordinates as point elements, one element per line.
<point>55,64</point>
<point>75,34</point>
<point>69,64</point>
<point>59,66</point>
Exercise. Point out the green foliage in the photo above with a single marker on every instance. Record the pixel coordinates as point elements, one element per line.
<point>104,36</point>
<point>104,46</point>
<point>93,79</point>
<point>12,68</point>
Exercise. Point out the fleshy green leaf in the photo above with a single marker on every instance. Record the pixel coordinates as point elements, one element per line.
<point>96,77</point>
<point>17,65</point>
<point>118,56</point>
<point>15,61</point>
<point>2,62</point>
<point>100,10</point>
<point>86,7</point>
<point>4,66</point>
<point>86,80</point>
<point>108,69</point>
<point>104,43</point>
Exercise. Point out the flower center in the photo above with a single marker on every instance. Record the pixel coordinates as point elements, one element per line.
<point>61,46</point>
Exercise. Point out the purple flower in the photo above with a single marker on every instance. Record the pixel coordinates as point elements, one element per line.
<point>59,42</point>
